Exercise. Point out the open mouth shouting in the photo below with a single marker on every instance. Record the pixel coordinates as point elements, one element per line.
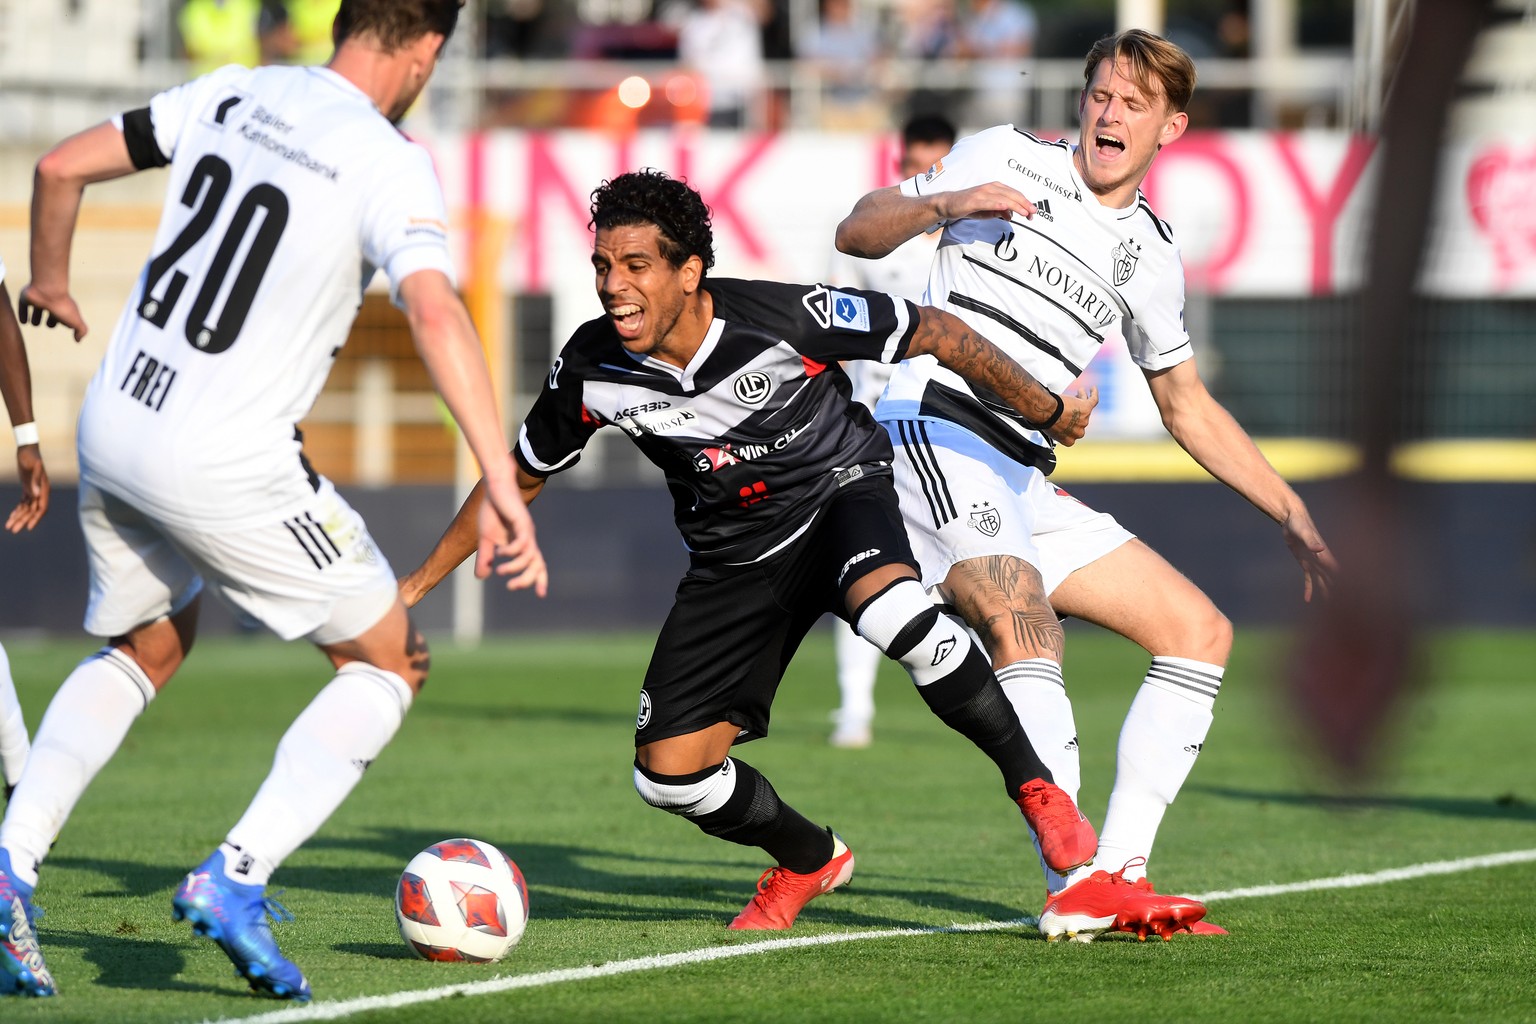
<point>628,320</point>
<point>1107,146</point>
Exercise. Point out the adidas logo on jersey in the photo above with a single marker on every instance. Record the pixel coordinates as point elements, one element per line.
<point>1043,209</point>
<point>1193,748</point>
<point>1071,744</point>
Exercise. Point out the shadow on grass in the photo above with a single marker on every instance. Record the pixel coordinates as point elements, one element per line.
<point>376,950</point>
<point>129,963</point>
<point>1506,807</point>
<point>565,884</point>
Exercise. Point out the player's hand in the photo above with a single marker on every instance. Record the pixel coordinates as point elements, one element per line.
<point>1318,566</point>
<point>506,533</point>
<point>34,490</point>
<point>1075,411</point>
<point>992,200</point>
<point>33,305</point>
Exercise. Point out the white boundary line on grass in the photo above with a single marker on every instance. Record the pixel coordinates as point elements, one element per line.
<point>396,1000</point>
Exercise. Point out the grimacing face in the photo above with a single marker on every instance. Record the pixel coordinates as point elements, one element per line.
<point>1121,129</point>
<point>642,293</point>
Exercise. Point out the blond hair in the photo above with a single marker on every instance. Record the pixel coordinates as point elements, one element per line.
<point>1156,64</point>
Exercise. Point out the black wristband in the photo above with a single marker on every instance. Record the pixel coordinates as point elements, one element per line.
<point>1048,424</point>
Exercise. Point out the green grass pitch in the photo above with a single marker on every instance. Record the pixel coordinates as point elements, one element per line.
<point>527,743</point>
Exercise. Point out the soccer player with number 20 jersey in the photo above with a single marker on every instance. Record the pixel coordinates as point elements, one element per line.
<point>288,188</point>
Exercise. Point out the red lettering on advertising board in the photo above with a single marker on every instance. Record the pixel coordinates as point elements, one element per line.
<point>1322,211</point>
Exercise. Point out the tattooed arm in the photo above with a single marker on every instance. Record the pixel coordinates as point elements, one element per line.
<point>952,341</point>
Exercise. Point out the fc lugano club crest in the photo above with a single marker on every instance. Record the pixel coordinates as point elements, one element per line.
<point>986,519</point>
<point>753,387</point>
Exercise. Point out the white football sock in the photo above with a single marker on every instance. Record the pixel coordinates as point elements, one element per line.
<point>1161,737</point>
<point>13,728</point>
<point>319,759</point>
<point>858,662</point>
<point>1038,694</point>
<point>84,725</point>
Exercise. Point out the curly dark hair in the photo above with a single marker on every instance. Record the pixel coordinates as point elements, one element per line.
<point>650,197</point>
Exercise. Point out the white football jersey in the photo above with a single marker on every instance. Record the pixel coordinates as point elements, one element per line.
<point>287,190</point>
<point>1048,290</point>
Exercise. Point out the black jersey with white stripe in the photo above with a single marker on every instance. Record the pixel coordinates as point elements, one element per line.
<point>756,433</point>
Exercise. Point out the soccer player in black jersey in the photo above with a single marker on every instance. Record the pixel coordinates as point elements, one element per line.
<point>783,495</point>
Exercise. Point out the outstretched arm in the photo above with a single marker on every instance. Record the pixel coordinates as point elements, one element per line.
<point>458,541</point>
<point>16,389</point>
<point>1214,439</point>
<point>952,341</point>
<point>96,154</point>
<point>445,337</point>
<point>885,218</point>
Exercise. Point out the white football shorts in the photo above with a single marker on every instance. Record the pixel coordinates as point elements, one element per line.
<point>313,572</point>
<point>962,499</point>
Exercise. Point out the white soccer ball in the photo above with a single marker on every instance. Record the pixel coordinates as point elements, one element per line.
<point>461,899</point>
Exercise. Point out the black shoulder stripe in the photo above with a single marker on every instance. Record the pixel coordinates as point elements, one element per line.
<point>1162,229</point>
<point>1032,137</point>
<point>139,133</point>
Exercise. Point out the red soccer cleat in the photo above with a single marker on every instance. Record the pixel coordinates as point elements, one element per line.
<point>1160,915</point>
<point>781,894</point>
<point>1066,838</point>
<point>1108,902</point>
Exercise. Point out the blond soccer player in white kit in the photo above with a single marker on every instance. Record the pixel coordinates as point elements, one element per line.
<point>289,187</point>
<point>1048,249</point>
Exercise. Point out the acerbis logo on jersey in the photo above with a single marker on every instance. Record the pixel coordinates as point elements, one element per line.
<point>986,519</point>
<point>753,387</point>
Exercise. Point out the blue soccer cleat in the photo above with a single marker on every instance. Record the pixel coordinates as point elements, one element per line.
<point>24,972</point>
<point>235,916</point>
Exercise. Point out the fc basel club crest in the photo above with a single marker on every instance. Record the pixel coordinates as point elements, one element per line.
<point>1124,258</point>
<point>986,519</point>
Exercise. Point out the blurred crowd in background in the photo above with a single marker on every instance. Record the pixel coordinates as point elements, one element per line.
<point>874,63</point>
